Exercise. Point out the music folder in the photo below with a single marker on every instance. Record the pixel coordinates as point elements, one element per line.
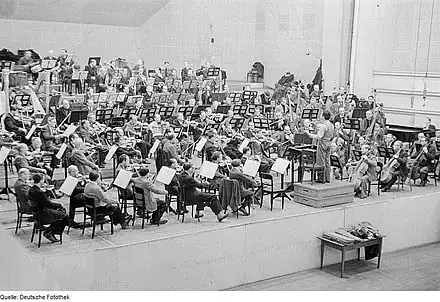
<point>243,145</point>
<point>69,185</point>
<point>123,179</point>
<point>201,143</point>
<point>48,64</point>
<point>251,167</point>
<point>61,151</point>
<point>4,152</point>
<point>31,131</point>
<point>154,147</point>
<point>69,130</point>
<point>111,153</point>
<point>280,165</point>
<point>208,169</point>
<point>165,175</point>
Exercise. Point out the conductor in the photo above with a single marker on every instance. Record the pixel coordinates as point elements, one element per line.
<point>324,137</point>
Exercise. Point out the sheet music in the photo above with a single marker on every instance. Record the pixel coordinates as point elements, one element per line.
<point>123,179</point>
<point>111,152</point>
<point>280,165</point>
<point>165,175</point>
<point>48,64</point>
<point>154,147</point>
<point>251,167</point>
<point>4,152</point>
<point>69,185</point>
<point>61,151</point>
<point>201,143</point>
<point>69,130</point>
<point>208,169</point>
<point>75,75</point>
<point>31,131</point>
<point>243,145</point>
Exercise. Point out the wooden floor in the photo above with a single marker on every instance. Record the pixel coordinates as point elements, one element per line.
<point>408,270</point>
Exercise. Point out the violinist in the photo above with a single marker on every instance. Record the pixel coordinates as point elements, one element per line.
<point>125,146</point>
<point>36,155</point>
<point>148,96</point>
<point>62,114</point>
<point>157,125</point>
<point>423,161</point>
<point>132,128</point>
<point>244,181</point>
<point>85,132</point>
<point>79,159</point>
<point>220,174</point>
<point>401,158</point>
<point>364,172</point>
<point>340,117</point>
<point>13,124</point>
<point>210,147</point>
<point>21,160</point>
<point>169,146</point>
<point>77,198</point>
<point>51,138</point>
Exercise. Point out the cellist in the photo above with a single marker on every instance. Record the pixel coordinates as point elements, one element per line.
<point>400,156</point>
<point>423,161</point>
<point>365,171</point>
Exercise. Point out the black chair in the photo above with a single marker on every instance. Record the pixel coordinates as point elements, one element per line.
<point>96,219</point>
<point>20,215</point>
<point>40,228</point>
<point>79,210</point>
<point>377,181</point>
<point>139,198</point>
<point>335,162</point>
<point>124,199</point>
<point>433,173</point>
<point>185,203</point>
<point>268,188</point>
<point>309,164</point>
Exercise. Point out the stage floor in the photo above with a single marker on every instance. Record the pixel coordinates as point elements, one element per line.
<point>75,242</point>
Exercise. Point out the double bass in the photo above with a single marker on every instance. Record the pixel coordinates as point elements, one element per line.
<point>388,170</point>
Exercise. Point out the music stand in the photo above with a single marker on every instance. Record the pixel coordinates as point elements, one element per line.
<point>213,71</point>
<point>185,110</point>
<point>183,97</point>
<point>310,114</point>
<point>155,98</point>
<point>261,123</point>
<point>218,119</point>
<point>352,124</point>
<point>237,123</point>
<point>223,109</point>
<point>143,113</point>
<point>151,112</point>
<point>164,97</point>
<point>6,65</point>
<point>209,127</point>
<point>302,139</point>
<point>359,113</point>
<point>25,99</point>
<point>249,95</point>
<point>77,115</point>
<point>166,112</point>
<point>235,97</point>
<point>240,110</point>
<point>127,112</point>
<point>201,108</point>
<point>133,99</point>
<point>104,115</point>
<point>194,84</point>
<point>252,107</point>
<point>117,121</point>
<point>357,155</point>
<point>291,154</point>
<point>218,96</point>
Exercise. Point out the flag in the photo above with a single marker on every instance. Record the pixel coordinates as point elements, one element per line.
<point>318,76</point>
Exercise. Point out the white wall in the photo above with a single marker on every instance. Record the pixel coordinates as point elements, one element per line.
<point>245,31</point>
<point>84,40</point>
<point>395,51</point>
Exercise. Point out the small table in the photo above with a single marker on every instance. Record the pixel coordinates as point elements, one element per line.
<point>348,247</point>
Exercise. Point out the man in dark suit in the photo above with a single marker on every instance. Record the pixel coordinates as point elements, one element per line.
<point>62,113</point>
<point>200,198</point>
<point>402,157</point>
<point>22,191</point>
<point>13,123</point>
<point>77,198</point>
<point>92,70</point>
<point>47,212</point>
<point>243,180</point>
<point>51,139</point>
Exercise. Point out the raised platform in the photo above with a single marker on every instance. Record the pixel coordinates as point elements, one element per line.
<point>212,256</point>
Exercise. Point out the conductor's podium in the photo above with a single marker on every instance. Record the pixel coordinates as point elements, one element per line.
<point>319,195</point>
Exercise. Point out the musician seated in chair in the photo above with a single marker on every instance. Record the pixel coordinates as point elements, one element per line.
<point>62,114</point>
<point>48,212</point>
<point>102,202</point>
<point>51,139</point>
<point>202,199</point>
<point>244,180</point>
<point>21,188</point>
<point>210,146</point>
<point>152,203</point>
<point>37,156</point>
<point>21,160</point>
<point>13,123</point>
<point>423,161</point>
<point>399,167</point>
<point>85,131</point>
<point>77,198</point>
<point>79,159</point>
<point>364,171</point>
<point>220,173</point>
<point>169,146</point>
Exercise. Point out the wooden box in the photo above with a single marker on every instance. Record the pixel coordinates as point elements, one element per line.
<point>323,195</point>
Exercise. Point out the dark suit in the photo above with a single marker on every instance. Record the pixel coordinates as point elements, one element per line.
<point>76,199</point>
<point>22,192</point>
<point>12,125</point>
<point>401,171</point>
<point>50,143</point>
<point>200,198</point>
<point>61,115</point>
<point>48,212</point>
<point>243,180</point>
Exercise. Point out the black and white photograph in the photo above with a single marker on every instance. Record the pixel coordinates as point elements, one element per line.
<point>235,146</point>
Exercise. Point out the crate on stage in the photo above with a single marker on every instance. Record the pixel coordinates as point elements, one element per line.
<point>318,195</point>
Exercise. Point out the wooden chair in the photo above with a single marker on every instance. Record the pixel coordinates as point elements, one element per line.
<point>96,219</point>
<point>40,228</point>
<point>309,164</point>
<point>123,200</point>
<point>139,198</point>
<point>377,181</point>
<point>76,210</point>
<point>185,203</point>
<point>268,188</point>
<point>20,215</point>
